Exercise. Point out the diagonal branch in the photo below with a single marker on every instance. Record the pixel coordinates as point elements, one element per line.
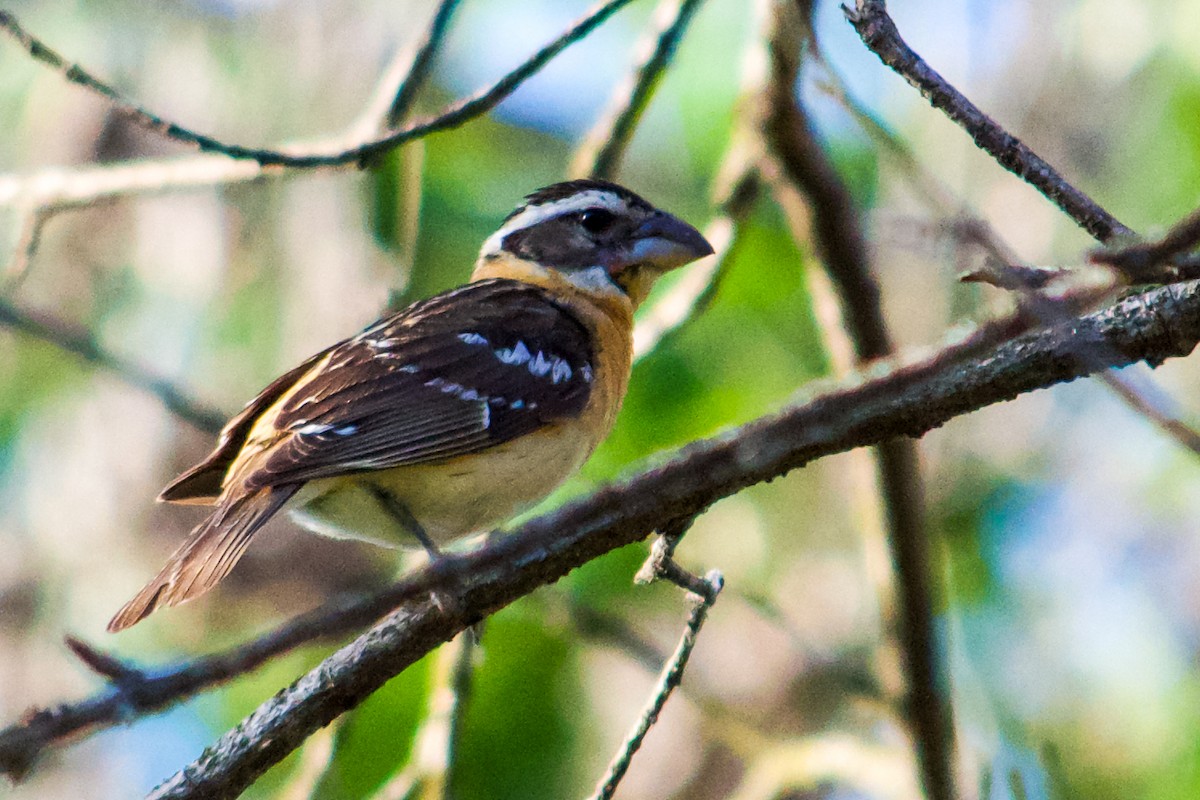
<point>1161,261</point>
<point>603,148</point>
<point>421,65</point>
<point>454,115</point>
<point>879,34</point>
<point>979,370</point>
<point>668,681</point>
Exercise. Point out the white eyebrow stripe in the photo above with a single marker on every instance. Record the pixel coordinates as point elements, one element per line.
<point>533,215</point>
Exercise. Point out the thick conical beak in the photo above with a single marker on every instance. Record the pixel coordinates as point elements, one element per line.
<point>664,242</point>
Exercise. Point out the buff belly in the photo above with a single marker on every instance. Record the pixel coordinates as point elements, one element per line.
<point>450,499</point>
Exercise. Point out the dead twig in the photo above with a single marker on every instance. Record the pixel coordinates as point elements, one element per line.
<point>702,599</point>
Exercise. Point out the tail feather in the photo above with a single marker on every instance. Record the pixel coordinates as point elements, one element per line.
<point>207,556</point>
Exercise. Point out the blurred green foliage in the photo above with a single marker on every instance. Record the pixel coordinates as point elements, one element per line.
<point>1065,523</point>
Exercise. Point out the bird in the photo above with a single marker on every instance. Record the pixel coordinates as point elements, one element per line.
<point>449,416</point>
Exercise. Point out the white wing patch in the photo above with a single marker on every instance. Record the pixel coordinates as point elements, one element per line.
<point>540,364</point>
<point>306,428</point>
<point>517,354</point>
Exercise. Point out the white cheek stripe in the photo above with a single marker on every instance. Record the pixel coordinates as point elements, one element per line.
<point>532,215</point>
<point>594,280</point>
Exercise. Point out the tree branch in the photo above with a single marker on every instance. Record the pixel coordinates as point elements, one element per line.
<point>1161,261</point>
<point>451,117</point>
<point>605,144</point>
<point>842,247</point>
<point>878,32</point>
<point>979,370</point>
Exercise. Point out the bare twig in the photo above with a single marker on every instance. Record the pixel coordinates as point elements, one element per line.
<point>694,291</point>
<point>454,115</point>
<point>603,148</point>
<point>30,223</point>
<point>670,678</point>
<point>82,343</point>
<point>421,65</point>
<point>842,246</point>
<point>735,193</point>
<point>1155,261</point>
<point>58,188</point>
<point>879,34</point>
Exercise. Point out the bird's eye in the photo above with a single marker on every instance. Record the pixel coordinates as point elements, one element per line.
<point>596,220</point>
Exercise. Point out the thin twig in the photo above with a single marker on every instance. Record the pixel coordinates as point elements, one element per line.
<point>604,146</point>
<point>421,65</point>
<point>973,227</point>
<point>670,678</point>
<point>735,193</point>
<point>59,188</point>
<point>451,117</point>
<point>30,223</point>
<point>83,344</point>
<point>879,34</point>
<point>842,247</point>
<point>987,367</point>
<point>1153,261</point>
<point>695,290</point>
<point>430,765</point>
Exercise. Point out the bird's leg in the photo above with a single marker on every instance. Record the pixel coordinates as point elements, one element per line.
<point>392,505</point>
<point>399,512</point>
<point>443,599</point>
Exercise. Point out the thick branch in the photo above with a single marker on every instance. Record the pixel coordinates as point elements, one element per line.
<point>879,34</point>
<point>910,401</point>
<point>976,372</point>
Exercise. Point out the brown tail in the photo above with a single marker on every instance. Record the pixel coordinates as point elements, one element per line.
<point>207,556</point>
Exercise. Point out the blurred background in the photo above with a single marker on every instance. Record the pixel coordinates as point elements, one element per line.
<point>1062,524</point>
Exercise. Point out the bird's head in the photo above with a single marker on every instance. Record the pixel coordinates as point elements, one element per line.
<point>598,236</point>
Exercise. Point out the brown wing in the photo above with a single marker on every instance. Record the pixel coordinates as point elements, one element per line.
<point>202,483</point>
<point>206,557</point>
<point>456,374</point>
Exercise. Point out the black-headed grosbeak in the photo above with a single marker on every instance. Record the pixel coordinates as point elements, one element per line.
<point>452,415</point>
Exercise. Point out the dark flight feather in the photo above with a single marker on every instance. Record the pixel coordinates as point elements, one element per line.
<point>207,555</point>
